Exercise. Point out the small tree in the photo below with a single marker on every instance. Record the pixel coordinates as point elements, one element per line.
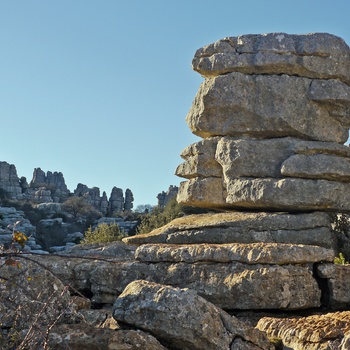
<point>77,206</point>
<point>160,216</point>
<point>103,233</point>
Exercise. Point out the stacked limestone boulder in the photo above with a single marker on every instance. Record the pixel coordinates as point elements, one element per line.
<point>274,114</point>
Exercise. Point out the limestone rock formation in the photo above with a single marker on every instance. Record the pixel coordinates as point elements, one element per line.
<point>273,113</point>
<point>316,55</point>
<point>181,318</point>
<point>9,181</point>
<point>53,183</point>
<point>244,227</point>
<point>50,187</point>
<point>115,204</point>
<point>329,331</point>
<point>164,197</point>
<point>129,198</point>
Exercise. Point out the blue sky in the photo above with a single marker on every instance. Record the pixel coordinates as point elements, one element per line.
<point>99,89</point>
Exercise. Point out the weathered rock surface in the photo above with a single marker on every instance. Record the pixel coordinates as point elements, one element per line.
<point>251,253</point>
<point>115,251</point>
<point>244,227</point>
<point>272,106</point>
<point>165,197</point>
<point>317,55</point>
<point>321,332</point>
<point>338,284</point>
<point>266,106</point>
<point>9,181</point>
<point>53,183</point>
<point>200,160</point>
<point>181,318</point>
<point>26,283</point>
<point>224,284</point>
<point>289,194</point>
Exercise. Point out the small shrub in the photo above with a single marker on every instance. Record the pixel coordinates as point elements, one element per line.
<point>340,260</point>
<point>159,217</point>
<point>103,233</point>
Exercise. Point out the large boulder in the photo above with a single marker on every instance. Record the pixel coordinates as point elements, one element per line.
<point>181,318</point>
<point>268,106</point>
<point>316,55</point>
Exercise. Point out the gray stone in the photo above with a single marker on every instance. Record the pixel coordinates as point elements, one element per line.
<point>318,166</point>
<point>321,332</point>
<point>314,147</point>
<point>253,158</point>
<point>116,201</point>
<point>334,95</point>
<point>9,181</point>
<point>244,227</point>
<point>289,194</point>
<point>115,251</point>
<point>200,160</point>
<point>250,253</point>
<point>165,197</point>
<point>317,55</point>
<point>338,284</point>
<point>263,106</point>
<point>25,288</point>
<point>206,192</point>
<point>226,285</point>
<point>181,318</point>
<point>129,198</point>
<point>133,340</point>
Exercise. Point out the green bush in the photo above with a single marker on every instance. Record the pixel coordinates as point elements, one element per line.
<point>340,260</point>
<point>103,233</point>
<point>159,217</point>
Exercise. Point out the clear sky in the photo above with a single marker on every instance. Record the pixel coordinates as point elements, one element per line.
<point>99,89</point>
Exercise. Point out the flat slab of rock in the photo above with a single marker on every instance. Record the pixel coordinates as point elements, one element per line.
<point>82,336</point>
<point>322,332</point>
<point>288,194</point>
<point>318,166</point>
<point>317,55</point>
<point>253,253</point>
<point>182,318</point>
<point>227,285</point>
<point>243,227</point>
<point>269,106</point>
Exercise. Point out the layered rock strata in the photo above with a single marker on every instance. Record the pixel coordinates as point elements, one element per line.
<point>273,113</point>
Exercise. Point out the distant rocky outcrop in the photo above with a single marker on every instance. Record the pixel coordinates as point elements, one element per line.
<point>51,187</point>
<point>164,197</point>
<point>9,180</point>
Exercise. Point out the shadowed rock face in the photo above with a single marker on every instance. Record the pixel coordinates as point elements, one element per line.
<point>273,112</point>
